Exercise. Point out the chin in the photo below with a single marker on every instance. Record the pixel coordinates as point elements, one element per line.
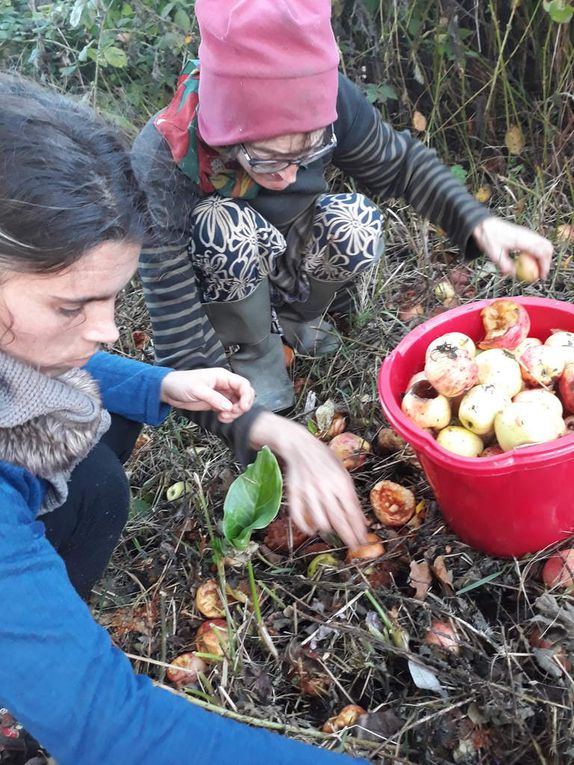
<point>279,185</point>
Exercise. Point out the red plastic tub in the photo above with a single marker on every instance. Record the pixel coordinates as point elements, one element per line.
<point>506,505</point>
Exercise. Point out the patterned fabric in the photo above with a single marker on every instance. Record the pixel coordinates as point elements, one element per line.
<point>232,247</point>
<point>206,166</point>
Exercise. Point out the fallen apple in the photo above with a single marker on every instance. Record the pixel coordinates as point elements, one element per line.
<point>480,406</point>
<point>566,388</point>
<point>389,441</point>
<point>506,324</point>
<point>393,504</point>
<point>443,635</point>
<point>208,601</point>
<point>497,367</point>
<point>177,490</point>
<point>283,536</point>
<point>541,396</point>
<point>212,637</point>
<point>444,292</point>
<point>541,365</point>
<point>185,669</point>
<point>451,370</point>
<point>459,440</point>
<point>526,268</point>
<point>451,341</point>
<point>423,404</point>
<point>411,312</point>
<point>347,716</point>
<point>522,424</point>
<point>323,560</point>
<point>558,570</point>
<point>350,449</point>
<point>549,641</point>
<point>369,551</point>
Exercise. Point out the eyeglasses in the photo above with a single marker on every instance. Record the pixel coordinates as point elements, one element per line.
<point>276,165</point>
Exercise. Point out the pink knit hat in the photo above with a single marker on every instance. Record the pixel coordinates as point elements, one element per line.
<point>268,68</point>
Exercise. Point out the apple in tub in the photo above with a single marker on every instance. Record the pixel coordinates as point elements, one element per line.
<point>450,367</point>
<point>506,324</point>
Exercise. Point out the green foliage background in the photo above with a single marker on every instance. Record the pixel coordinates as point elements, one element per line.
<point>472,68</point>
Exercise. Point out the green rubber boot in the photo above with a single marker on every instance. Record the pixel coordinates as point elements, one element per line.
<point>246,323</point>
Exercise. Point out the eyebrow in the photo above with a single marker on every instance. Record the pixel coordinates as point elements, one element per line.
<point>84,300</point>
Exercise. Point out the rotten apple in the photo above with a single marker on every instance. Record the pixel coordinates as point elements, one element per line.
<point>347,716</point>
<point>350,449</point>
<point>212,637</point>
<point>443,635</point>
<point>506,324</point>
<point>452,341</point>
<point>423,404</point>
<point>208,600</point>
<point>369,551</point>
<point>558,570</point>
<point>184,669</point>
<point>393,504</point>
<point>541,365</point>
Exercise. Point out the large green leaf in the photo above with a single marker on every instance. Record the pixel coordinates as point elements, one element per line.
<point>253,499</point>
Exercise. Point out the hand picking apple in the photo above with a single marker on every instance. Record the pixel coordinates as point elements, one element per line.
<point>514,393</point>
<point>498,238</point>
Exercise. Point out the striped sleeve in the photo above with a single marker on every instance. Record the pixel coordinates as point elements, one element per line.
<point>183,335</point>
<point>394,164</point>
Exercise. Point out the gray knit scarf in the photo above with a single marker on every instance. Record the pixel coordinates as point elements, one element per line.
<point>48,424</point>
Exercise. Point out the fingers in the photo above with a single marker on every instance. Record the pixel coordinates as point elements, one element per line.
<point>207,398</point>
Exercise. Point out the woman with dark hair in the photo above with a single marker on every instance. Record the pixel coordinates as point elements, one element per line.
<point>71,224</point>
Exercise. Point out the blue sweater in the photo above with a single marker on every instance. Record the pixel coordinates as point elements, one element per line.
<point>60,674</point>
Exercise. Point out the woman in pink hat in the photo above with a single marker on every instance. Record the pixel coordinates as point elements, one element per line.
<point>249,243</point>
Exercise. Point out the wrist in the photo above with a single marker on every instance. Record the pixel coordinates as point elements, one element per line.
<point>278,433</point>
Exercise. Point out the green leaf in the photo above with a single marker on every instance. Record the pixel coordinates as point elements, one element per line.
<point>459,173</point>
<point>560,11</point>
<point>182,20</point>
<point>253,499</point>
<point>115,57</point>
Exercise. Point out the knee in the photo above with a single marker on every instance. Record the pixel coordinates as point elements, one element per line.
<point>103,484</point>
<point>348,229</point>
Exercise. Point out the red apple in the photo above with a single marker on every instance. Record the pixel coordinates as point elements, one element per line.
<point>212,637</point>
<point>451,370</point>
<point>443,635</point>
<point>558,570</point>
<point>566,388</point>
<point>369,551</point>
<point>541,365</point>
<point>393,504</point>
<point>350,449</point>
<point>506,324</point>
<point>184,669</point>
<point>423,404</point>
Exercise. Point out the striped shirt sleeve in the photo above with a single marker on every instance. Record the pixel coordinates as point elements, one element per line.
<point>394,164</point>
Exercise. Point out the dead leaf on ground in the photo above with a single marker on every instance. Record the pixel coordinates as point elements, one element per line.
<point>420,579</point>
<point>514,140</point>
<point>441,572</point>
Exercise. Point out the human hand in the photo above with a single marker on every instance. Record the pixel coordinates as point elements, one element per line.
<point>320,493</point>
<point>203,389</point>
<point>497,238</point>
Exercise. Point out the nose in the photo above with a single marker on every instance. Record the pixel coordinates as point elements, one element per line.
<point>100,325</point>
<point>290,173</point>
